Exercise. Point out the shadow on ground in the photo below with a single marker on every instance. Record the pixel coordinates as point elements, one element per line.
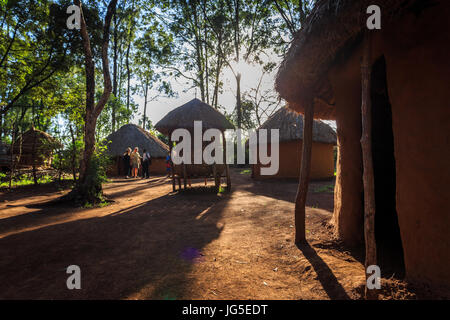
<point>146,249</point>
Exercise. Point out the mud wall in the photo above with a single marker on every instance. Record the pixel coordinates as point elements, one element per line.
<point>418,77</point>
<point>348,193</point>
<point>158,166</point>
<point>416,50</point>
<point>322,161</point>
<point>117,168</point>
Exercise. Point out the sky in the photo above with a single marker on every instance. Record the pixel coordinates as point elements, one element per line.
<point>251,75</point>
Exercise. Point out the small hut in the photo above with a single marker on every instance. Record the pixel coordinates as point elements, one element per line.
<point>183,117</point>
<point>388,90</point>
<point>290,125</point>
<point>35,147</point>
<point>131,135</point>
<point>5,157</point>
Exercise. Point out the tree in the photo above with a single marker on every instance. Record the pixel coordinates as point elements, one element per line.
<point>89,188</point>
<point>252,24</point>
<point>34,46</point>
<point>154,50</point>
<point>291,16</point>
<point>263,102</point>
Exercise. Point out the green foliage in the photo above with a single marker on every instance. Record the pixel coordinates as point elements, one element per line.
<point>27,180</point>
<point>90,192</point>
<point>96,174</point>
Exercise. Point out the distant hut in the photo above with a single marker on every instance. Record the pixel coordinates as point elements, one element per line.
<point>35,147</point>
<point>404,77</point>
<point>131,135</point>
<point>5,157</point>
<point>184,117</point>
<point>290,125</point>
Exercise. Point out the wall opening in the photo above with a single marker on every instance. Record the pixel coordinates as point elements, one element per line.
<point>387,231</point>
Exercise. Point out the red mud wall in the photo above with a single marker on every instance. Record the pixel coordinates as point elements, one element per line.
<point>416,50</point>
<point>418,74</point>
<point>322,162</point>
<point>158,166</point>
<point>348,193</point>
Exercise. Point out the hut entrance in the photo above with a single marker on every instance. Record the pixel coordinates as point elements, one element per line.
<point>387,232</point>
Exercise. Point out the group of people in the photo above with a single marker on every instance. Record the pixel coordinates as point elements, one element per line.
<point>132,161</point>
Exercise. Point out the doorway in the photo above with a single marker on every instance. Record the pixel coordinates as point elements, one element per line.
<point>387,231</point>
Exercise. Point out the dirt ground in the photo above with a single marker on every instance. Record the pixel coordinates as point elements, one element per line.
<point>151,243</point>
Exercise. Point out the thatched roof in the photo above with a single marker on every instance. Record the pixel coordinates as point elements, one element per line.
<point>35,140</point>
<point>4,148</point>
<point>290,125</point>
<point>195,110</point>
<point>333,28</point>
<point>131,135</point>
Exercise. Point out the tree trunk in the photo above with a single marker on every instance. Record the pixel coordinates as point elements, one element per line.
<point>113,111</point>
<point>127,62</point>
<point>368,178</point>
<point>215,98</point>
<point>300,200</point>
<point>206,66</point>
<point>238,100</point>
<point>33,159</point>
<point>145,105</point>
<point>88,188</point>
<point>74,154</point>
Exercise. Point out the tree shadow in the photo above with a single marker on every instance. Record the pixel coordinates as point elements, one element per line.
<point>286,190</point>
<point>326,277</point>
<point>144,251</point>
<point>22,192</point>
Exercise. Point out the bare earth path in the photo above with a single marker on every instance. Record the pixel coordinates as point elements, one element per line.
<point>152,244</point>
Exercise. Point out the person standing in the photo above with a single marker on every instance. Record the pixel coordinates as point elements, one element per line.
<point>168,165</point>
<point>135,162</point>
<point>146,161</point>
<point>126,162</point>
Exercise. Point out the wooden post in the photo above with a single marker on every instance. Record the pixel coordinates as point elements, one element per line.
<point>216,179</point>
<point>368,178</point>
<point>227,169</point>
<point>171,162</point>
<point>300,200</point>
<point>184,175</point>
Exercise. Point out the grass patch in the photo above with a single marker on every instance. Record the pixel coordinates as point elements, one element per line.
<point>27,180</point>
<point>222,190</point>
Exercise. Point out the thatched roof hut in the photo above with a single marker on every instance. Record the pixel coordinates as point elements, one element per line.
<point>332,30</point>
<point>5,157</point>
<point>131,135</point>
<point>184,117</point>
<point>408,69</point>
<point>35,146</point>
<point>195,110</point>
<point>290,124</point>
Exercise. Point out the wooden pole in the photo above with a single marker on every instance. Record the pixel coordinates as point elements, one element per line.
<point>184,175</point>
<point>368,178</point>
<point>171,162</point>
<point>227,169</point>
<point>300,200</point>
